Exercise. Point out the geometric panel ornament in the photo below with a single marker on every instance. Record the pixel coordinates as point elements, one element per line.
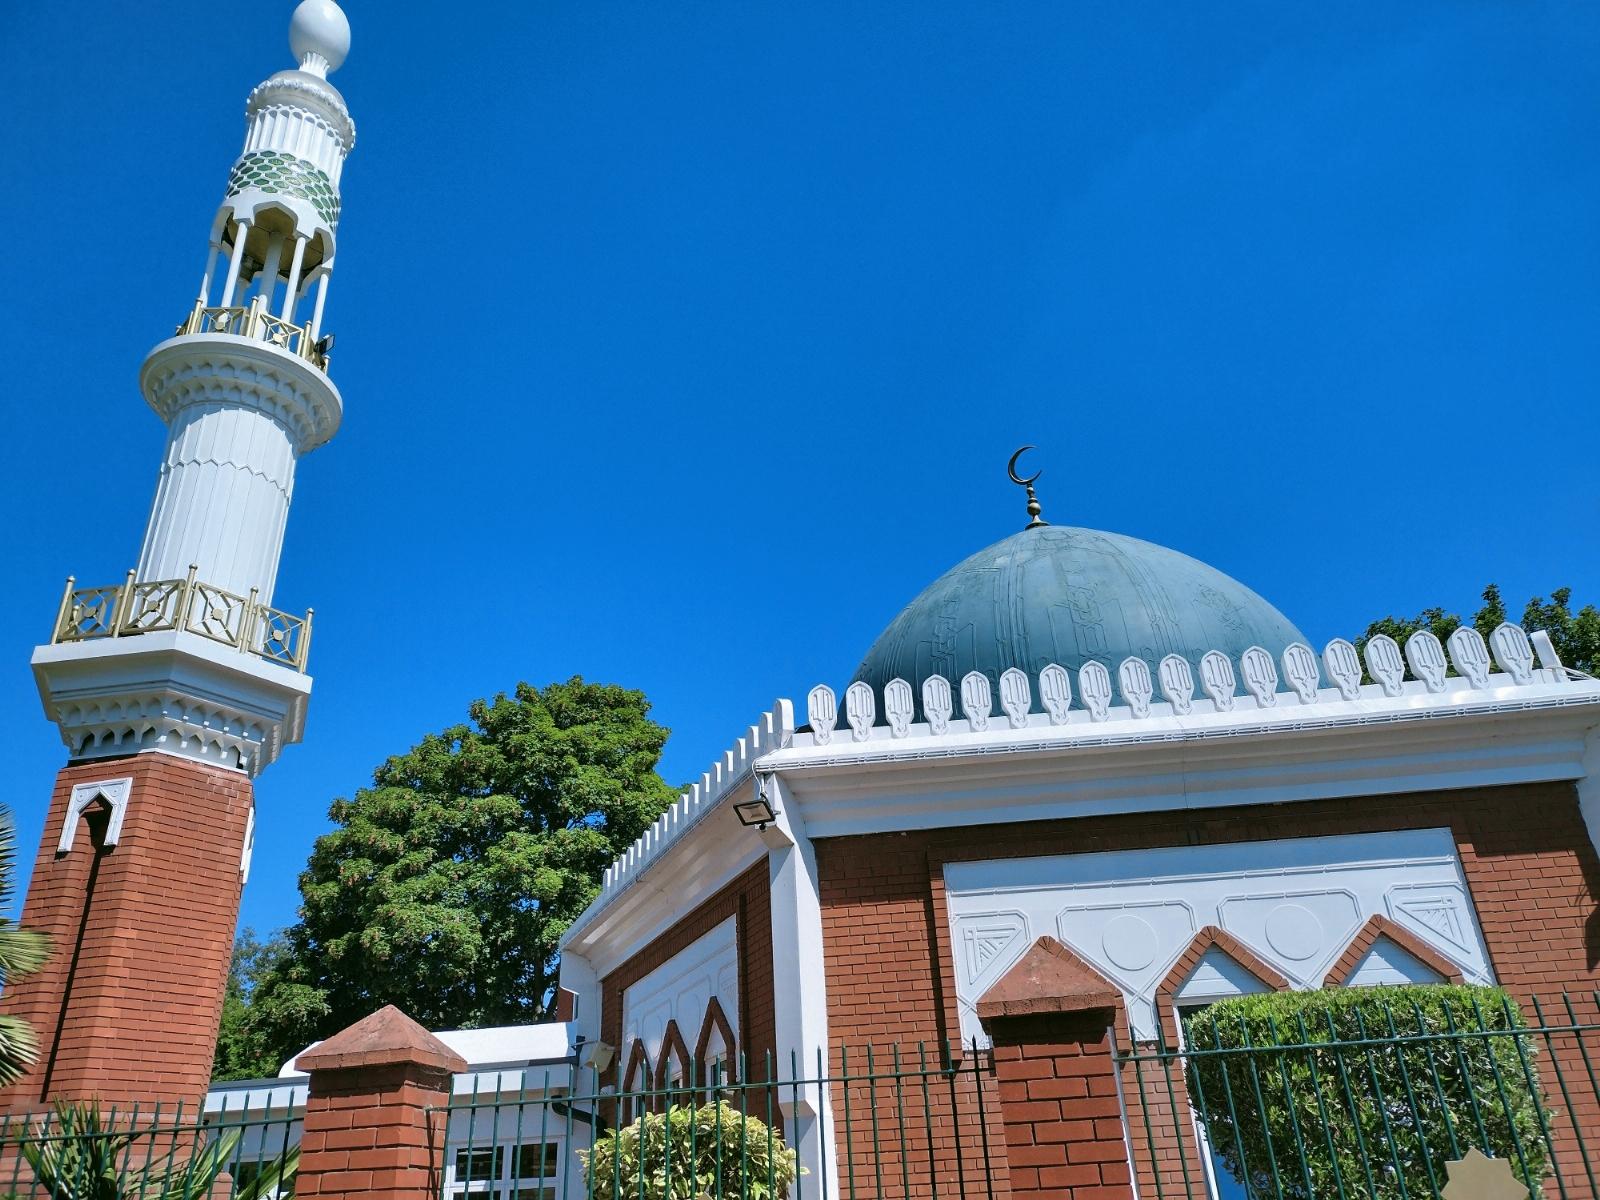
<point>986,937</point>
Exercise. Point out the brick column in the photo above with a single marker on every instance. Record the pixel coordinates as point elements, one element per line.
<point>140,914</point>
<point>1050,1018</point>
<point>368,1128</point>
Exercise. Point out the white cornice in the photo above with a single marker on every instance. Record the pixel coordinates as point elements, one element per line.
<point>176,692</point>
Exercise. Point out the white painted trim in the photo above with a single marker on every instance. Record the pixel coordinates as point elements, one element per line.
<point>115,792</point>
<point>799,985</point>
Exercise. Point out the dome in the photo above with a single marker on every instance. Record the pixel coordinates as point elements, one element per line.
<point>1054,593</point>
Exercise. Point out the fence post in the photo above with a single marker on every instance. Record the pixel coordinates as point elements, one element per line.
<point>1050,1018</point>
<point>372,1125</point>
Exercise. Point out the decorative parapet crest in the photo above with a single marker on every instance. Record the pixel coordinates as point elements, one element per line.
<point>1276,685</point>
<point>773,732</point>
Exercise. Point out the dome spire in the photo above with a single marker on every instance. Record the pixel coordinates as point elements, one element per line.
<point>1034,519</point>
<point>319,36</point>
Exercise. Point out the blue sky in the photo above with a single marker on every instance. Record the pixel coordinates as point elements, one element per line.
<point>682,344</point>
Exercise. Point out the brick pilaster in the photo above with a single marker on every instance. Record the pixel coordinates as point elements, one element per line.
<point>373,1124</point>
<point>141,934</point>
<point>1058,1101</point>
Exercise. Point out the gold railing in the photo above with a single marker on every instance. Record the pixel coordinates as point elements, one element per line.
<point>132,608</point>
<point>253,321</point>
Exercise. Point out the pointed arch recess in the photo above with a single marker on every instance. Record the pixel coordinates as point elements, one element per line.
<point>671,1045</point>
<point>1377,927</point>
<point>638,1075</point>
<point>716,1020</point>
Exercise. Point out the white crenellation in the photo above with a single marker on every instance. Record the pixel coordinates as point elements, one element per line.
<point>1137,689</point>
<point>1300,669</point>
<point>861,710</point>
<point>1470,656</point>
<point>1094,686</point>
<point>1260,675</point>
<point>1055,689</point>
<point>1016,697</point>
<point>1426,658</point>
<point>1385,663</point>
<point>1545,650</point>
<point>1343,667</point>
<point>1220,674</point>
<point>1177,684</point>
<point>823,713</point>
<point>977,701</point>
<point>937,704</point>
<point>1513,651</point>
<point>774,731</point>
<point>899,707</point>
<point>1217,677</point>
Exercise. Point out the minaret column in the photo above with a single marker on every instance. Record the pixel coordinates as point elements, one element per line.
<point>176,686</point>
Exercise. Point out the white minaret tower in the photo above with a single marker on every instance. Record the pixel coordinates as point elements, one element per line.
<point>174,688</point>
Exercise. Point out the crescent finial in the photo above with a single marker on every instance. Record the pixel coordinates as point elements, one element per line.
<point>1034,519</point>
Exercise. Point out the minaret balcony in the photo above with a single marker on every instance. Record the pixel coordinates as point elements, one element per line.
<point>188,605</point>
<point>255,322</point>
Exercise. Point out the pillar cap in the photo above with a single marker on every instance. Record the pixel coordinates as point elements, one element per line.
<point>1048,978</point>
<point>387,1038</point>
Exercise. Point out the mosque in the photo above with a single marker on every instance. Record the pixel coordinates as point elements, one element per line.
<point>1079,784</point>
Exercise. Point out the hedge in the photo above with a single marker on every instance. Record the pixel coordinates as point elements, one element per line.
<point>1365,1091</point>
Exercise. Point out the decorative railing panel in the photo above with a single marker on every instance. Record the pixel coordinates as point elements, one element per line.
<point>252,321</point>
<point>161,605</point>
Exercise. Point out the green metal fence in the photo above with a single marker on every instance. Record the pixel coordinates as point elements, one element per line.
<point>1377,1111</point>
<point>881,1123</point>
<point>148,1152</point>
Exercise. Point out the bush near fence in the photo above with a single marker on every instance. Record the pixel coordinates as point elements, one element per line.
<point>1365,1091</point>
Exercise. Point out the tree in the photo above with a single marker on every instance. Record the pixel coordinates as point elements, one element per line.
<point>1576,636</point>
<point>241,1052</point>
<point>22,952</point>
<point>448,883</point>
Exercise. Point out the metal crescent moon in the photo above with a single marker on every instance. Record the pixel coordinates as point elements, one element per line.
<point>1011,469</point>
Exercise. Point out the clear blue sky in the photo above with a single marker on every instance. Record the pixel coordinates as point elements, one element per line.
<point>682,343</point>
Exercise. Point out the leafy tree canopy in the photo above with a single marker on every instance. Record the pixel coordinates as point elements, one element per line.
<point>446,885</point>
<point>1576,636</point>
<point>241,1053</point>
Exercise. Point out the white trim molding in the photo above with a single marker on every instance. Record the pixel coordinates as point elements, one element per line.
<point>114,792</point>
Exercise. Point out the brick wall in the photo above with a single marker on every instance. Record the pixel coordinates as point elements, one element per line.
<point>748,898</point>
<point>142,933</point>
<point>1059,1107</point>
<point>1527,857</point>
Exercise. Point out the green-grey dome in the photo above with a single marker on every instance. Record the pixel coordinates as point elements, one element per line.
<point>1064,595</point>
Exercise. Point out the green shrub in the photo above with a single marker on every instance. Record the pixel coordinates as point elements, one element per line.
<point>686,1153</point>
<point>1385,1084</point>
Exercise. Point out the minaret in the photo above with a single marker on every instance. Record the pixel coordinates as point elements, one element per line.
<point>174,688</point>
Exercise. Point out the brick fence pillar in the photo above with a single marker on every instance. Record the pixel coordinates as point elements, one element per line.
<point>369,1131</point>
<point>1050,1018</point>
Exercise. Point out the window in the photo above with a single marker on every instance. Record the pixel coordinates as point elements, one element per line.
<point>529,1171</point>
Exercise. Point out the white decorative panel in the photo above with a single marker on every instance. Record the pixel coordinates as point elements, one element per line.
<point>1389,962</point>
<point>936,703</point>
<point>1015,697</point>
<point>1217,976</point>
<point>679,990</point>
<point>1055,689</point>
<point>1296,903</point>
<point>897,706</point>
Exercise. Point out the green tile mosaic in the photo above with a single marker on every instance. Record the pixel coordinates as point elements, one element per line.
<point>273,171</point>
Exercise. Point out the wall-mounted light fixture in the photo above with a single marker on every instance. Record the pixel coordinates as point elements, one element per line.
<point>758,812</point>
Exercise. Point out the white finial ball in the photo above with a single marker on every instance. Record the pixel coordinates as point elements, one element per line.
<point>320,27</point>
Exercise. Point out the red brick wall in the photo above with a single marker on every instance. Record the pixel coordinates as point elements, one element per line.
<point>374,1131</point>
<point>1058,1099</point>
<point>749,899</point>
<point>1527,857</point>
<point>127,1006</point>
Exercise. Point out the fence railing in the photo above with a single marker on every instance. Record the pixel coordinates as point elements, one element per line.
<point>1378,1111</point>
<point>152,1152</point>
<point>253,321</point>
<point>152,606</point>
<point>900,1122</point>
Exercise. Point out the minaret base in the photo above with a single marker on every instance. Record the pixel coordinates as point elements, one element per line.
<point>137,886</point>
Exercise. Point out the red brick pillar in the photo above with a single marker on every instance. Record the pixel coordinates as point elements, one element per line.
<point>140,910</point>
<point>372,1128</point>
<point>1050,1018</point>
